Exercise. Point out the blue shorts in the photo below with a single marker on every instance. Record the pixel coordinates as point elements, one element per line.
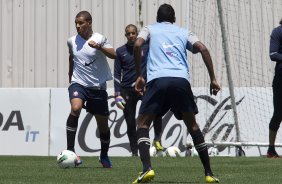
<point>96,100</point>
<point>168,93</point>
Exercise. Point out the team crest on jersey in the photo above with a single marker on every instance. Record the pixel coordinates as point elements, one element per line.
<point>75,93</point>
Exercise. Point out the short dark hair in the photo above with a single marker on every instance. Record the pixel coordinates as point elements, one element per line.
<point>131,25</point>
<point>280,22</point>
<point>86,15</point>
<point>166,13</point>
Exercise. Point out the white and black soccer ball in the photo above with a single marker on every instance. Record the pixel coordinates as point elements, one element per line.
<point>213,151</point>
<point>173,151</point>
<point>155,153</point>
<point>67,159</point>
<point>194,152</point>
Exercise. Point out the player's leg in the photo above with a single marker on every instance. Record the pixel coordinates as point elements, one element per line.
<point>277,115</point>
<point>157,123</point>
<point>199,143</point>
<point>72,122</point>
<point>129,112</point>
<point>102,123</point>
<point>183,101</point>
<point>151,106</point>
<point>143,124</point>
<point>76,96</point>
<point>97,104</point>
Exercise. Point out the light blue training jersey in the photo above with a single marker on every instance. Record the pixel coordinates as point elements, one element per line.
<point>167,55</point>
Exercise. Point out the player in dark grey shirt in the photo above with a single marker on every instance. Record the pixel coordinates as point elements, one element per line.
<point>275,53</point>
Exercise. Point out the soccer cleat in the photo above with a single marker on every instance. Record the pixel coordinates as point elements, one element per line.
<point>211,179</point>
<point>106,162</point>
<point>78,161</point>
<point>272,154</point>
<point>158,145</point>
<point>145,177</point>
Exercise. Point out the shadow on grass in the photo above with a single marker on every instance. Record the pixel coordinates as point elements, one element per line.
<point>155,181</point>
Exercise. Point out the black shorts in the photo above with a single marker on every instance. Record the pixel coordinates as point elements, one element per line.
<point>96,100</point>
<point>167,93</point>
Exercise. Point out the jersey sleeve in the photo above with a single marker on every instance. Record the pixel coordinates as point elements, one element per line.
<point>69,43</point>
<point>275,47</point>
<point>105,42</point>
<point>192,38</point>
<point>144,33</point>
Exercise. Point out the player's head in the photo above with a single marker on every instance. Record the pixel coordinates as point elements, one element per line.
<point>83,23</point>
<point>131,33</point>
<point>166,13</point>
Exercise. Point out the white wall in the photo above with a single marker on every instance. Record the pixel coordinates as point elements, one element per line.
<point>33,35</point>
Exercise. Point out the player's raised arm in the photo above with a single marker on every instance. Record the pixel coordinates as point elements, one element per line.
<point>109,52</point>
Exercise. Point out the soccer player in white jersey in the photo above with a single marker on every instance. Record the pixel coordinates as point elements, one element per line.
<point>88,74</point>
<point>168,85</point>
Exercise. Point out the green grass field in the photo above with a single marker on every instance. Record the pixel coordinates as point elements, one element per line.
<point>241,170</point>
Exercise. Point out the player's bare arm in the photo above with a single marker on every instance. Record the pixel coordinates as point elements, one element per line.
<point>214,86</point>
<point>109,52</point>
<point>140,82</point>
<point>70,67</point>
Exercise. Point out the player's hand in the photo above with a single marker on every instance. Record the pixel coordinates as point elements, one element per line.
<point>140,85</point>
<point>120,102</point>
<point>214,87</point>
<point>94,45</point>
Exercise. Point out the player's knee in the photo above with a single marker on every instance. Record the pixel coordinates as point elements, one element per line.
<point>144,121</point>
<point>75,110</point>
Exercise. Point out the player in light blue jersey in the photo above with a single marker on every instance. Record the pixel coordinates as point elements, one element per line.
<point>168,85</point>
<point>88,74</point>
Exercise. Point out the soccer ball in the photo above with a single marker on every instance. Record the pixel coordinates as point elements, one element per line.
<point>194,152</point>
<point>66,159</point>
<point>155,153</point>
<point>213,151</point>
<point>173,151</point>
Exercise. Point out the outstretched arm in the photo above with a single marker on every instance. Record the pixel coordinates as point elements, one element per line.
<point>214,86</point>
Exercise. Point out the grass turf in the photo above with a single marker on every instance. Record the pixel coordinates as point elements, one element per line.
<point>29,169</point>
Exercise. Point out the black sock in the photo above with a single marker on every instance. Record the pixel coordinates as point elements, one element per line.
<point>144,146</point>
<point>157,129</point>
<point>71,128</point>
<point>105,139</point>
<point>271,148</point>
<point>201,147</point>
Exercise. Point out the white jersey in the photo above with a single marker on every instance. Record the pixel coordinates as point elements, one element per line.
<point>90,66</point>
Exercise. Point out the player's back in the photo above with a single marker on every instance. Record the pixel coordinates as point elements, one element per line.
<point>167,54</point>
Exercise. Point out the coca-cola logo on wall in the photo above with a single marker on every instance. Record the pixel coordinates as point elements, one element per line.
<point>217,127</point>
